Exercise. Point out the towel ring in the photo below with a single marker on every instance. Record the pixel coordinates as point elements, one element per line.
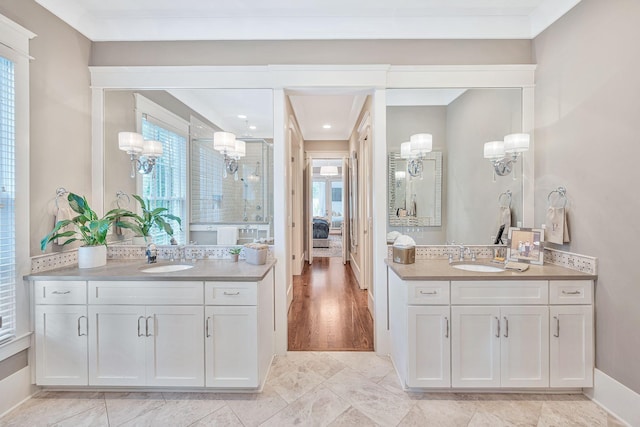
<point>562,195</point>
<point>506,194</point>
<point>60,192</point>
<point>121,195</point>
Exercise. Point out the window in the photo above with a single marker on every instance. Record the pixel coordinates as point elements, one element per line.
<point>7,200</point>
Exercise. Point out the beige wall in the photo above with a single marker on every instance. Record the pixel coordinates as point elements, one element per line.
<point>400,52</point>
<point>60,103</point>
<point>587,110</point>
<point>327,146</point>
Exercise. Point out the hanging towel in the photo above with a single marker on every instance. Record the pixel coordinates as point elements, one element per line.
<point>227,235</point>
<point>504,217</point>
<point>557,229</point>
<point>63,212</point>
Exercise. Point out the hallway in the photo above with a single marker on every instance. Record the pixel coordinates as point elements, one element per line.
<point>329,311</point>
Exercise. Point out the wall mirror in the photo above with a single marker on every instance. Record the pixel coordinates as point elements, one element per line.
<point>222,199</point>
<point>461,120</point>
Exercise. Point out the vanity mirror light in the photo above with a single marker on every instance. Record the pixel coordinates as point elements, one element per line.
<point>456,199</point>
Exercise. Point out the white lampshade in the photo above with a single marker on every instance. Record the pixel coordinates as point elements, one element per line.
<point>329,170</point>
<point>400,175</point>
<point>224,141</point>
<point>405,150</point>
<point>152,149</point>
<point>494,150</point>
<point>421,143</point>
<point>516,143</point>
<point>239,150</point>
<point>131,142</point>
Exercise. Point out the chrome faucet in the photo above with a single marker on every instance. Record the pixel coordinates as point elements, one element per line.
<point>462,250</point>
<point>151,253</point>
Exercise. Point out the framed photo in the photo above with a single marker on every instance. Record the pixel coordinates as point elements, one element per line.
<point>526,245</point>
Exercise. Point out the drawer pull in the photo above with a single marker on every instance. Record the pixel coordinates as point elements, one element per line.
<point>139,334</point>
<point>61,293</point>
<point>557,334</point>
<point>146,322</point>
<point>506,327</point>
<point>498,322</point>
<point>80,334</point>
<point>446,334</point>
<point>429,292</point>
<point>206,328</point>
<point>231,293</point>
<point>571,292</point>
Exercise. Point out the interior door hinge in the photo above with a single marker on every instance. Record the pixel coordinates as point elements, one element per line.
<point>293,159</point>
<point>293,257</point>
<point>293,224</point>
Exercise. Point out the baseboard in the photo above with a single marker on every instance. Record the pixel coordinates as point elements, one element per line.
<point>370,303</point>
<point>15,390</point>
<point>355,268</point>
<point>289,296</point>
<point>615,397</point>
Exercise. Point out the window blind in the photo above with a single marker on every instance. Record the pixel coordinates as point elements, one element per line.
<point>7,200</point>
<point>166,186</point>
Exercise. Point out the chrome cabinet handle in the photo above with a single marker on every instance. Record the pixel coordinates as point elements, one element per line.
<point>61,293</point>
<point>139,334</point>
<point>571,292</point>
<point>231,293</point>
<point>146,323</point>
<point>429,293</point>
<point>206,327</point>
<point>557,334</point>
<point>498,322</point>
<point>506,327</point>
<point>79,333</point>
<point>446,334</point>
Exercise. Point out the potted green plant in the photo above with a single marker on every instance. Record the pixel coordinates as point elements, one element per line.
<point>235,253</point>
<point>142,224</point>
<point>86,227</point>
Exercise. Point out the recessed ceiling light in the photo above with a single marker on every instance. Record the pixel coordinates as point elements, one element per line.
<point>252,127</point>
<point>242,116</point>
<point>327,126</point>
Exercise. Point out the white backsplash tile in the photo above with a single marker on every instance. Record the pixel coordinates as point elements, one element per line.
<point>53,261</point>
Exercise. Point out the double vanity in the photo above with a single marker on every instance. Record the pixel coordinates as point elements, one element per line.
<point>457,329</point>
<point>202,325</point>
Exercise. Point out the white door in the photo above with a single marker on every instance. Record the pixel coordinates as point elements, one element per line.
<point>61,345</point>
<point>309,216</point>
<point>367,216</point>
<point>117,345</point>
<point>525,346</point>
<point>175,346</point>
<point>429,347</point>
<point>231,348</point>
<point>345,210</point>
<point>475,346</point>
<point>571,346</point>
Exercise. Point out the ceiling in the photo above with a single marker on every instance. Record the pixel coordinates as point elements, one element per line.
<point>120,20</point>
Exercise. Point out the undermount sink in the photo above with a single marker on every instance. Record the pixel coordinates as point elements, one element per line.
<point>478,268</point>
<point>166,268</point>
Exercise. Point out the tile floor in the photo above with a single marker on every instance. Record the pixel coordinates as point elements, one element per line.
<point>311,389</point>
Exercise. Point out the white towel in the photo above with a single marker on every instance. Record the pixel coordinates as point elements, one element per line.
<point>557,229</point>
<point>63,212</point>
<point>227,235</point>
<point>504,217</point>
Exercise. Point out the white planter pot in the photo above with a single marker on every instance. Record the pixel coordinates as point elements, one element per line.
<point>141,240</point>
<point>92,256</point>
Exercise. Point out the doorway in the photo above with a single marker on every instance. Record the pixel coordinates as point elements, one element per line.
<point>328,205</point>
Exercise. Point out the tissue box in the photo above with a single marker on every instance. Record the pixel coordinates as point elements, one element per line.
<point>404,255</point>
<point>255,254</point>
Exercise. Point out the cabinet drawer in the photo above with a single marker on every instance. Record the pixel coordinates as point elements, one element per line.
<point>570,292</point>
<point>230,293</point>
<point>145,292</point>
<point>521,292</point>
<point>428,292</point>
<point>60,292</point>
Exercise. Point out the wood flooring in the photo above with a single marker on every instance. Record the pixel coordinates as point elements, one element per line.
<point>329,311</point>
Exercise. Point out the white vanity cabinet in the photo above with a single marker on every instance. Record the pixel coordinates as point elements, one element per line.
<point>61,333</point>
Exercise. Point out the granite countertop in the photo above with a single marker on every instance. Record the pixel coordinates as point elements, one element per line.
<point>441,270</point>
<point>218,269</point>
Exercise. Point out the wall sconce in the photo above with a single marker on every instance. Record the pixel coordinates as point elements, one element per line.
<point>503,154</point>
<point>232,149</point>
<point>143,153</point>
<point>414,150</point>
<point>328,171</point>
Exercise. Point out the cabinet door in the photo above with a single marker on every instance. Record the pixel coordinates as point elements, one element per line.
<point>475,346</point>
<point>61,345</point>
<point>175,346</point>
<point>117,345</point>
<point>571,348</point>
<point>429,349</point>
<point>525,346</point>
<point>231,346</point>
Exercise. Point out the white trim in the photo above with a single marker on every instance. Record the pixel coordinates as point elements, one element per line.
<point>97,151</point>
<point>15,346</point>
<point>326,154</point>
<point>615,397</point>
<point>15,390</point>
<point>146,106</point>
<point>15,37</point>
